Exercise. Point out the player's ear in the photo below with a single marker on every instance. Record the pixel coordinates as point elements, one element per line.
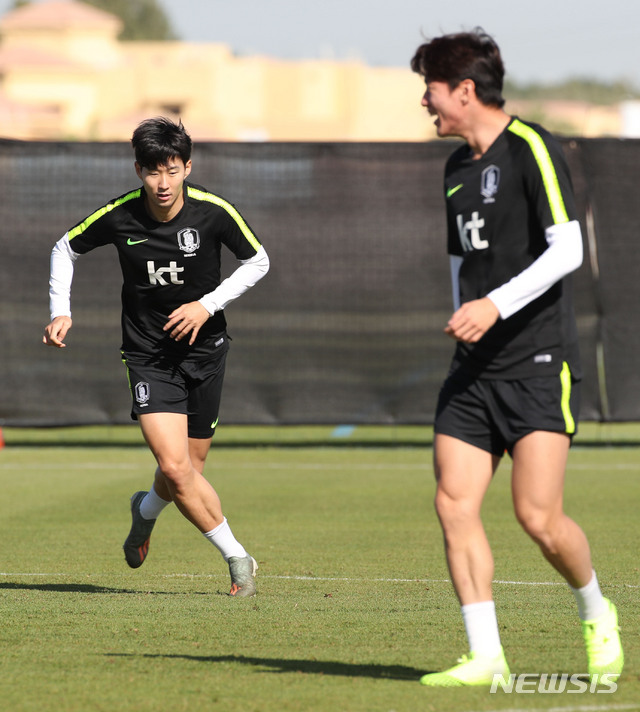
<point>187,168</point>
<point>138,170</point>
<point>467,88</point>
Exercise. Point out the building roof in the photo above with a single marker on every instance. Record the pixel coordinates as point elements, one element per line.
<point>59,14</point>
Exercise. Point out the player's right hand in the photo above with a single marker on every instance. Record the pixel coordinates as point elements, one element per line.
<point>55,332</point>
<point>472,321</point>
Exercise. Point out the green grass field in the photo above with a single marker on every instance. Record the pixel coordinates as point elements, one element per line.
<point>354,602</point>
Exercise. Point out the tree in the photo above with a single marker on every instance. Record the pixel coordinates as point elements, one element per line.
<point>143,19</point>
<point>591,91</point>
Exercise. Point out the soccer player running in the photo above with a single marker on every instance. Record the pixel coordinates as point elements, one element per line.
<point>513,385</point>
<point>168,234</point>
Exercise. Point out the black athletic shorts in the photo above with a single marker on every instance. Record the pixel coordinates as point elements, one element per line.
<point>162,385</point>
<point>494,414</point>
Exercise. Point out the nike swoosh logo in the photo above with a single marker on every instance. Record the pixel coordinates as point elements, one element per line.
<point>136,242</point>
<point>451,191</point>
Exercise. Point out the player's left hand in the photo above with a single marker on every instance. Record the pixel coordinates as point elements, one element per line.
<point>186,319</point>
<point>472,321</point>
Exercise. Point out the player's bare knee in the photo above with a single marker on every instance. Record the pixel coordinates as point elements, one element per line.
<point>540,527</point>
<point>454,513</point>
<point>176,473</point>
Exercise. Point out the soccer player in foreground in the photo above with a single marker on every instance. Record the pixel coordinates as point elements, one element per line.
<point>513,385</point>
<point>168,234</point>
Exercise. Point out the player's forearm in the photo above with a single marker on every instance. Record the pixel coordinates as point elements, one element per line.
<point>61,277</point>
<point>562,256</point>
<point>246,276</point>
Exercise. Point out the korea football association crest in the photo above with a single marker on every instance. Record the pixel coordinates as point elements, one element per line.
<point>490,182</point>
<point>142,392</point>
<point>188,240</point>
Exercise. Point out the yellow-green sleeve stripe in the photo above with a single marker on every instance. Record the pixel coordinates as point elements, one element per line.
<point>79,229</point>
<point>217,200</point>
<point>565,380</point>
<point>547,169</point>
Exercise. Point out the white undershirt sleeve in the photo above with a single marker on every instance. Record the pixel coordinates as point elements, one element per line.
<point>61,276</point>
<point>562,256</point>
<point>248,273</point>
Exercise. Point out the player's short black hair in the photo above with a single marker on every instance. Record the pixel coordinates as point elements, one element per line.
<point>464,55</point>
<point>155,141</point>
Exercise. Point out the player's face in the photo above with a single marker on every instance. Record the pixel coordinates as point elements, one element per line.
<point>163,187</point>
<point>445,104</point>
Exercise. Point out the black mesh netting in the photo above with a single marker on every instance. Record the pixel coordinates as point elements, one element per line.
<point>347,325</point>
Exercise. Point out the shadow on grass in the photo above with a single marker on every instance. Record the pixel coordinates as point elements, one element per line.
<point>89,588</point>
<point>282,665</point>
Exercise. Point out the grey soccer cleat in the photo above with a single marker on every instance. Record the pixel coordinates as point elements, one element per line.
<point>136,545</point>
<point>243,572</point>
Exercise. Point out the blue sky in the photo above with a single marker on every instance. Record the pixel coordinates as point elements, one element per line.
<point>543,40</point>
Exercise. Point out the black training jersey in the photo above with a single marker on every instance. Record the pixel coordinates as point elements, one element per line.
<point>167,264</point>
<point>498,208</point>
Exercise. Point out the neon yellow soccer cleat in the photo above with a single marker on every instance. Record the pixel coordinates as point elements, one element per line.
<point>472,670</point>
<point>602,640</point>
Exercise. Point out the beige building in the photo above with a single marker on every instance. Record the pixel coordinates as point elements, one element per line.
<point>65,75</point>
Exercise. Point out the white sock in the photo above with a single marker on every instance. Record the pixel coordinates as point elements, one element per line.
<point>152,505</point>
<point>591,603</point>
<point>224,541</point>
<point>481,624</point>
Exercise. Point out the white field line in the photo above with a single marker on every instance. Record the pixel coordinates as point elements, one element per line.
<point>382,580</point>
<point>8,575</point>
<point>621,467</point>
<point>575,708</point>
<point>227,466</point>
<point>344,579</point>
<point>72,466</point>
